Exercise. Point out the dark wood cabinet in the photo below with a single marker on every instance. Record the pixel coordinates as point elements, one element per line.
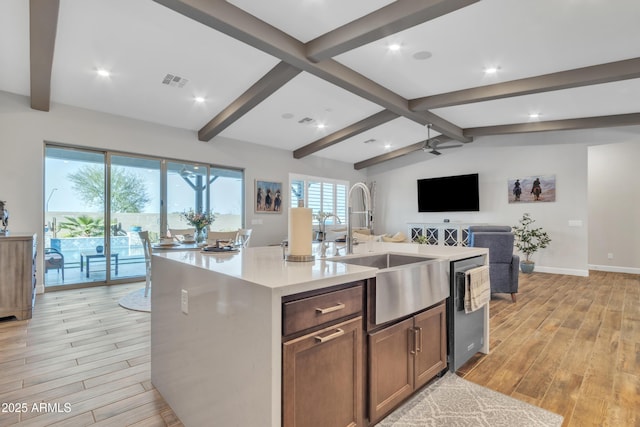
<point>17,275</point>
<point>403,357</point>
<point>322,359</point>
<point>322,377</point>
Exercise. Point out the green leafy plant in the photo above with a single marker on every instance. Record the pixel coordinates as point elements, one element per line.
<point>128,189</point>
<point>529,239</point>
<point>82,226</point>
<point>422,240</point>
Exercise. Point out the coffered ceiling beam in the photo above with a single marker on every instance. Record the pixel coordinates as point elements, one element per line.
<point>391,19</point>
<point>43,23</point>
<point>261,90</point>
<point>234,22</point>
<point>398,153</point>
<point>370,122</point>
<point>596,74</point>
<point>631,119</point>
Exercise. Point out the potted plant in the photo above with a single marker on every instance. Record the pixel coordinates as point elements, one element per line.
<point>529,240</point>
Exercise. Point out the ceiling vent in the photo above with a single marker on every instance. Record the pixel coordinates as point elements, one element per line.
<point>175,81</point>
<point>369,141</point>
<point>305,121</point>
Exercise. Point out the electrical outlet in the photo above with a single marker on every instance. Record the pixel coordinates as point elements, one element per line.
<point>184,301</point>
<point>610,255</point>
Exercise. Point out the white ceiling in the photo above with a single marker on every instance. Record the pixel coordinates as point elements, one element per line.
<point>140,41</point>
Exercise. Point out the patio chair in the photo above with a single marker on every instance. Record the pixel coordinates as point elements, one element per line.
<point>53,260</point>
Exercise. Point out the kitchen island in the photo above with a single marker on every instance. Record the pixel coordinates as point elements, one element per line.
<point>216,326</point>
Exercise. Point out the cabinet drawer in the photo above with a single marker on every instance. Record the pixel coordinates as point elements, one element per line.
<point>320,309</point>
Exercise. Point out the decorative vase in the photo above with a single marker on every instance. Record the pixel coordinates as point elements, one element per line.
<point>201,235</point>
<point>527,266</point>
<point>99,249</point>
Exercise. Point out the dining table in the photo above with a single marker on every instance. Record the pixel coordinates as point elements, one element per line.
<point>177,246</point>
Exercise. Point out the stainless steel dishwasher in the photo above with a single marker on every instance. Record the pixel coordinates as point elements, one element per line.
<point>466,331</point>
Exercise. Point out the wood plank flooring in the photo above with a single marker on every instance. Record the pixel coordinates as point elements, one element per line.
<point>570,345</point>
<point>85,356</point>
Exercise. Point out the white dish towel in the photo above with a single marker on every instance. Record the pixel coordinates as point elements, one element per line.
<point>477,288</point>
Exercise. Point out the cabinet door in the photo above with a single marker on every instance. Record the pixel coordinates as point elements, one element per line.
<point>390,368</point>
<point>431,344</point>
<point>322,378</point>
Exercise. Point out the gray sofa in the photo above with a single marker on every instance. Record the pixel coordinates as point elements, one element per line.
<point>503,264</point>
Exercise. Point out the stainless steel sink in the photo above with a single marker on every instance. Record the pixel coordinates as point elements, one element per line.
<point>404,284</point>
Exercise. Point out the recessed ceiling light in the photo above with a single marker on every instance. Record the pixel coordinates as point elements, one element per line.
<point>387,146</point>
<point>103,73</point>
<point>534,115</point>
<point>199,99</point>
<point>321,126</point>
<point>491,70</point>
<point>422,55</point>
<point>394,47</point>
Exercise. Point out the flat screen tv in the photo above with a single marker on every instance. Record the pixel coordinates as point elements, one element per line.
<point>449,194</point>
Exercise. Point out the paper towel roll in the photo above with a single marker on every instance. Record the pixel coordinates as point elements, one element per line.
<point>300,226</point>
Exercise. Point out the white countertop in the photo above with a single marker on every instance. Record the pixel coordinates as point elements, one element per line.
<point>264,266</point>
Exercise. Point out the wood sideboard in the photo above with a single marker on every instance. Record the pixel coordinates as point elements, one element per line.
<point>17,275</point>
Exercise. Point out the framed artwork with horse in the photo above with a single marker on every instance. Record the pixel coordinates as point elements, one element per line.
<point>268,197</point>
<point>532,189</point>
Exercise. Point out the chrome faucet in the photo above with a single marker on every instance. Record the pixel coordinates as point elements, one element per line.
<point>366,212</point>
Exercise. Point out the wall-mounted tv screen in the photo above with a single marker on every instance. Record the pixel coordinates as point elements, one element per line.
<point>449,194</point>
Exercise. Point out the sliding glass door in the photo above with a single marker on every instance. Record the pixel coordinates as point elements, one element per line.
<point>74,237</point>
<point>96,203</point>
<point>134,206</point>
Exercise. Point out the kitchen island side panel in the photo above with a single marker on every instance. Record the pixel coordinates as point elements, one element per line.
<point>215,365</point>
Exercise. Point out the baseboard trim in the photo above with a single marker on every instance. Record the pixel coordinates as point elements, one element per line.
<point>614,269</point>
<point>557,270</point>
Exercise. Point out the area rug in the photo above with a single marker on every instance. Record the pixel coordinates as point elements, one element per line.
<point>453,401</point>
<point>136,301</point>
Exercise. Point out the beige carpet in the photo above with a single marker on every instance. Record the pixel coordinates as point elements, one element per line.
<point>136,301</point>
<point>453,401</point>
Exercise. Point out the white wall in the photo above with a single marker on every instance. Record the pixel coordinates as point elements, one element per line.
<point>23,132</point>
<point>396,198</point>
<point>614,207</point>
<point>591,168</point>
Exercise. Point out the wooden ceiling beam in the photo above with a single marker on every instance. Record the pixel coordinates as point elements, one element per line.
<point>631,119</point>
<point>370,122</point>
<point>391,19</point>
<point>596,74</point>
<point>43,24</point>
<point>398,153</point>
<point>234,22</point>
<point>258,92</point>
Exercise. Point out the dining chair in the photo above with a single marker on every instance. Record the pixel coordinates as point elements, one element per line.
<point>229,236</point>
<point>146,246</point>
<point>244,234</point>
<point>186,233</point>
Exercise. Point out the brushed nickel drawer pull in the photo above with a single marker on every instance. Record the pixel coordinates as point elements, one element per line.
<point>336,307</point>
<point>419,334</point>
<point>338,333</point>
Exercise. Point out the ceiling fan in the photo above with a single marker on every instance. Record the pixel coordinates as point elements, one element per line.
<point>432,146</point>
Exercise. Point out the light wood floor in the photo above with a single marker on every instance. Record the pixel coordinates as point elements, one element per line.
<point>82,349</point>
<point>570,345</point>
